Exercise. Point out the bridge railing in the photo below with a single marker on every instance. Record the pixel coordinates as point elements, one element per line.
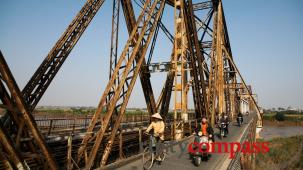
<point>69,124</point>
<point>66,124</point>
<point>241,160</point>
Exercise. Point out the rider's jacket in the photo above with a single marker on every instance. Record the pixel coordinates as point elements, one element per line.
<point>225,120</point>
<point>205,128</point>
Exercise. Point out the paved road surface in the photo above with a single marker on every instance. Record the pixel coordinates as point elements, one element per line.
<point>179,159</point>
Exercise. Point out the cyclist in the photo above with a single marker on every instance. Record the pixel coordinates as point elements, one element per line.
<point>157,124</point>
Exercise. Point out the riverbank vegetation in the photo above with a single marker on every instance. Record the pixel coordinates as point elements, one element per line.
<point>284,116</point>
<point>284,153</point>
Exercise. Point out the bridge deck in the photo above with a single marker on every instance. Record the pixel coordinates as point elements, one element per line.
<point>179,159</point>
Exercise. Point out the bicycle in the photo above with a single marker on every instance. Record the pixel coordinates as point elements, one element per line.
<point>149,154</point>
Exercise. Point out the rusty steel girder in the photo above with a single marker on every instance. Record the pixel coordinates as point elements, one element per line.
<point>196,62</point>
<point>212,90</point>
<point>12,153</point>
<point>222,85</point>
<point>16,96</point>
<point>114,52</point>
<point>38,84</point>
<point>219,97</point>
<point>42,78</point>
<point>245,85</point>
<point>165,96</point>
<point>145,30</point>
<point>144,73</point>
<point>214,84</point>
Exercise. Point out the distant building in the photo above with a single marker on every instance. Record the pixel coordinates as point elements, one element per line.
<point>291,108</point>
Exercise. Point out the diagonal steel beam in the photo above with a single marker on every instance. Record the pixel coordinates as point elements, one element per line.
<point>129,53</point>
<point>157,13</point>
<point>39,82</point>
<point>14,124</point>
<point>244,83</point>
<point>37,85</point>
<point>16,95</point>
<point>13,154</point>
<point>144,73</point>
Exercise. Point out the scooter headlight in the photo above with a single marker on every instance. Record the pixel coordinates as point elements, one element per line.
<point>199,133</point>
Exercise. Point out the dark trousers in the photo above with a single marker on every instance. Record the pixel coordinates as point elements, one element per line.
<point>159,146</point>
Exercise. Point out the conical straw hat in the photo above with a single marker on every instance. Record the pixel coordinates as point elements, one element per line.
<point>157,115</point>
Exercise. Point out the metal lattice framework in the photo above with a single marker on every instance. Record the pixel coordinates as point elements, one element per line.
<point>201,60</point>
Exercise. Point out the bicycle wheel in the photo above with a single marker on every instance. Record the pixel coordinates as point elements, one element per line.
<point>147,158</point>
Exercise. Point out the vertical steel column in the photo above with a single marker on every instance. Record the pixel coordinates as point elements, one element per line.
<point>196,60</point>
<point>114,42</point>
<point>114,52</point>
<point>220,63</point>
<point>179,66</point>
<point>69,165</point>
<point>212,90</point>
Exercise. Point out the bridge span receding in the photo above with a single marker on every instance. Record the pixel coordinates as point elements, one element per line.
<point>178,156</point>
<point>200,68</point>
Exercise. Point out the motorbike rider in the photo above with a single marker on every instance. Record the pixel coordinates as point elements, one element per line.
<point>206,129</point>
<point>157,125</point>
<point>240,115</point>
<point>225,119</point>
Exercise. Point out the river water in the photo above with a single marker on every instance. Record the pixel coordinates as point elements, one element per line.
<point>269,132</point>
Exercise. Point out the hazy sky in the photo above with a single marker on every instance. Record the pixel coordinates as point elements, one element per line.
<point>266,39</point>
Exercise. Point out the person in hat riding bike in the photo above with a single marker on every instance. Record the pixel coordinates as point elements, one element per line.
<point>157,125</point>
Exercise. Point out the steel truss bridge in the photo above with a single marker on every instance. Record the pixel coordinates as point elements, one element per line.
<point>201,61</point>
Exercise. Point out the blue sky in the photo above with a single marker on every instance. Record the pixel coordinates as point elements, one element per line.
<point>266,39</point>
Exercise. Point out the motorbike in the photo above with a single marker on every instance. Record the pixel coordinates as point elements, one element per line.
<point>240,120</point>
<point>198,155</point>
<point>223,127</point>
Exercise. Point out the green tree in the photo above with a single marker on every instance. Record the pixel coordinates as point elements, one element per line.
<point>280,116</point>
